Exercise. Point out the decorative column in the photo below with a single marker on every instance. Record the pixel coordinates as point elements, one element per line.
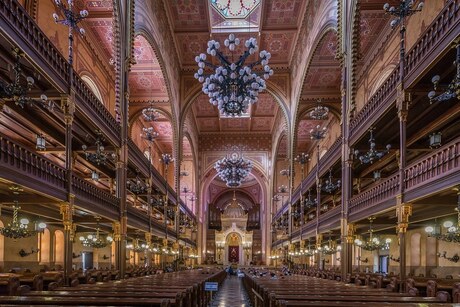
<point>147,252</point>
<point>319,240</point>
<point>403,212</point>
<point>66,211</point>
<point>346,255</point>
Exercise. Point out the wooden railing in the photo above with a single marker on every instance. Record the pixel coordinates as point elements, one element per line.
<point>329,217</point>
<point>331,156</point>
<point>439,163</point>
<point>93,104</point>
<point>382,191</point>
<point>92,195</point>
<point>25,162</point>
<point>24,26</point>
<point>138,158</point>
<point>447,21</point>
<point>377,102</point>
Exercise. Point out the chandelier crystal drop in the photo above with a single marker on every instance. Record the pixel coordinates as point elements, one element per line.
<point>18,229</point>
<point>233,170</point>
<point>372,154</point>
<point>320,112</point>
<point>233,85</point>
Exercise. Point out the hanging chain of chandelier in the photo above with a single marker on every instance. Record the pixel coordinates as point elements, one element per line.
<point>100,156</point>
<point>19,228</point>
<point>452,90</point>
<point>374,242</point>
<point>17,90</point>
<point>372,154</point>
<point>233,170</point>
<point>233,85</point>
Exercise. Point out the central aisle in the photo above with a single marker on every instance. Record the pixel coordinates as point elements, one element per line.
<point>231,294</point>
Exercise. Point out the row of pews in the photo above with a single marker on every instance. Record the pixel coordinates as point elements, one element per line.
<point>321,288</point>
<point>182,289</point>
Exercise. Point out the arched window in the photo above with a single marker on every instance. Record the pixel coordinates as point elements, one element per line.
<point>92,85</point>
<point>44,243</point>
<point>59,247</point>
<point>415,250</point>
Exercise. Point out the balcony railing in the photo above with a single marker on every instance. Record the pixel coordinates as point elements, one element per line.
<point>441,162</point>
<point>92,104</point>
<point>331,156</point>
<point>445,25</point>
<point>19,161</point>
<point>18,24</point>
<point>379,193</point>
<point>92,195</point>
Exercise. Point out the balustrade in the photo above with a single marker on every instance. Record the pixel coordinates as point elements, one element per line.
<point>437,164</point>
<point>92,195</point>
<point>380,192</point>
<point>443,26</point>
<point>24,26</point>
<point>19,159</point>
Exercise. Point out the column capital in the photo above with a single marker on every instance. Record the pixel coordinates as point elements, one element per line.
<point>403,212</point>
<point>66,211</point>
<point>116,227</point>
<point>68,107</point>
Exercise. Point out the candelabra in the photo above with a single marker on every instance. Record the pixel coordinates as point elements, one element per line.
<point>149,134</point>
<point>319,112</point>
<point>17,90</point>
<point>71,20</point>
<point>372,154</point>
<point>309,202</point>
<point>137,187</point>
<point>330,186</point>
<point>453,88</point>
<point>318,133</point>
<point>100,156</point>
<point>233,86</point>
<point>96,240</point>
<point>150,114</point>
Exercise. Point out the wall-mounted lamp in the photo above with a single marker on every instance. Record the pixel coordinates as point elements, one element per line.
<point>23,253</point>
<point>362,260</point>
<point>76,256</point>
<point>376,175</point>
<point>395,259</point>
<point>105,257</point>
<point>455,258</point>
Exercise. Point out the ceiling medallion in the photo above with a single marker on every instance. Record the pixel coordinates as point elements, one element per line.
<point>233,169</point>
<point>233,85</point>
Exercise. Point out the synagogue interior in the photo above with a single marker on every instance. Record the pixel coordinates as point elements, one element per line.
<point>174,152</point>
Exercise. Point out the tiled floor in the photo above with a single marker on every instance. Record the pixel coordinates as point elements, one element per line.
<point>231,294</point>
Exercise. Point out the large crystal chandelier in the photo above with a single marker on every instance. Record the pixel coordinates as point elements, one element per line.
<point>320,112</point>
<point>233,170</point>
<point>18,229</point>
<point>373,243</point>
<point>233,85</point>
<point>96,240</point>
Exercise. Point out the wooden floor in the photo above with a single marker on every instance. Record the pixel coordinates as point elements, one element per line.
<point>231,294</point>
